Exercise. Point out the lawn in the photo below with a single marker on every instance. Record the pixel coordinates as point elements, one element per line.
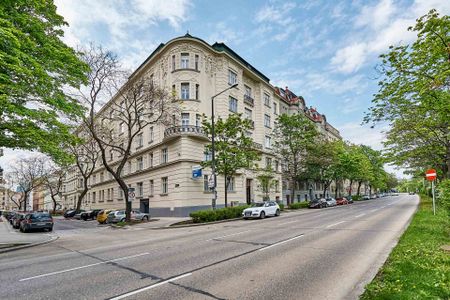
<point>417,268</point>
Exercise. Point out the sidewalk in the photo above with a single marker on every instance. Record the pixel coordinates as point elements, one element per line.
<point>14,239</point>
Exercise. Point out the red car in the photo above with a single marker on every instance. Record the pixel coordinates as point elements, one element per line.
<point>341,201</point>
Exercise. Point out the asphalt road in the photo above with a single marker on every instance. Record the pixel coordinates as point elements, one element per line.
<point>310,254</point>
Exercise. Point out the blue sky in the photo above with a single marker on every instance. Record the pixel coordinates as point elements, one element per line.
<point>325,51</point>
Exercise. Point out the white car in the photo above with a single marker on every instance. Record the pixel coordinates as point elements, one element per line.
<point>261,210</point>
<point>331,202</point>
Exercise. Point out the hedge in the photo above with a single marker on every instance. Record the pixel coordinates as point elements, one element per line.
<point>298,205</point>
<point>203,216</point>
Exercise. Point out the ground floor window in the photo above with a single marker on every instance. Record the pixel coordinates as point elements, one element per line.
<point>231,184</point>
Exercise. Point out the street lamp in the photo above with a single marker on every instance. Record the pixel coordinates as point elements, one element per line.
<point>213,149</point>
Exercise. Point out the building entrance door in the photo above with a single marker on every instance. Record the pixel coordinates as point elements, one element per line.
<point>144,206</point>
<point>248,190</point>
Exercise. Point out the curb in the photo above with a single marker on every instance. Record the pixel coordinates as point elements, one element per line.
<point>196,224</point>
<point>54,238</point>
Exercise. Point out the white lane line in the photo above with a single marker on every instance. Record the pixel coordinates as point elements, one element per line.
<point>288,222</point>
<point>374,210</point>
<point>150,287</point>
<point>83,267</point>
<point>335,224</point>
<point>282,242</point>
<point>360,215</point>
<point>223,236</point>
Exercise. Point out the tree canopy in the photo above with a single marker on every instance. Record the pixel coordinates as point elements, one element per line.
<point>35,68</point>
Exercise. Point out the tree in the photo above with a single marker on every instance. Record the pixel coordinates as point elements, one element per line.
<point>53,182</point>
<point>294,136</point>
<point>233,147</point>
<point>414,98</point>
<point>86,155</point>
<point>134,106</point>
<point>28,174</point>
<point>267,182</point>
<point>35,67</point>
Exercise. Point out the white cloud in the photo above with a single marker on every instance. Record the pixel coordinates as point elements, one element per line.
<point>277,18</point>
<point>350,58</point>
<point>376,16</point>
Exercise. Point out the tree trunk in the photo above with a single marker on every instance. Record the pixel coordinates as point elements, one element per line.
<point>350,189</point>
<point>359,187</point>
<point>128,204</point>
<point>370,190</point>
<point>336,189</point>
<point>54,204</point>
<point>293,181</point>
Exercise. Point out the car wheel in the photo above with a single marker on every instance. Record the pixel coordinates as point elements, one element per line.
<point>277,213</point>
<point>21,229</point>
<point>24,230</point>
<point>50,229</point>
<point>145,218</point>
<point>123,220</point>
<point>262,215</point>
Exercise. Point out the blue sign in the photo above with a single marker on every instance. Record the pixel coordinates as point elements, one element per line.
<point>196,172</point>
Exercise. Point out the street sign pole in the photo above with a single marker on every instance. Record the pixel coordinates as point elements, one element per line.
<point>434,204</point>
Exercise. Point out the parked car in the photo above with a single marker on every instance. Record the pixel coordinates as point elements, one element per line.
<point>341,201</point>
<point>374,196</point>
<point>350,200</point>
<point>261,210</point>
<point>17,220</point>
<point>366,197</point>
<point>317,203</point>
<point>89,215</point>
<point>102,216</point>
<point>331,202</point>
<point>119,216</point>
<point>73,213</point>
<point>37,220</point>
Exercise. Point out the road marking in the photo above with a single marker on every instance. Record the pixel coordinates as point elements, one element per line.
<point>360,215</point>
<point>220,237</point>
<point>83,267</point>
<point>288,222</point>
<point>374,210</point>
<point>150,287</point>
<point>282,242</point>
<point>335,224</point>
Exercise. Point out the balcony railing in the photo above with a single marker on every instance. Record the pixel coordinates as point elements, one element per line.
<point>184,130</point>
<point>249,100</point>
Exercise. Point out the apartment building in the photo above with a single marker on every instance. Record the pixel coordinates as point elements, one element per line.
<point>161,165</point>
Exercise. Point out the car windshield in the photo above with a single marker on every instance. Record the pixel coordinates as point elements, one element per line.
<point>258,204</point>
<point>40,216</point>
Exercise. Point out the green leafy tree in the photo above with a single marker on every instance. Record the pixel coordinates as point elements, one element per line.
<point>234,149</point>
<point>414,98</point>
<point>294,137</point>
<point>267,182</point>
<point>35,67</point>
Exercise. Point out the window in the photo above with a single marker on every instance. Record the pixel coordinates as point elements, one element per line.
<point>248,91</point>
<point>198,120</point>
<point>206,187</point>
<point>268,142</point>
<point>129,167</point>
<point>275,108</point>
<point>108,194</point>
<point>231,184</point>
<point>164,185</point>
<point>151,188</point>
<point>196,62</point>
<point>102,176</point>
<point>185,91</point>
<point>150,160</point>
<point>93,197</point>
<point>197,91</point>
<point>111,114</point>
<point>121,127</point>
<point>276,166</point>
<point>164,155</point>
<point>268,162</point>
<point>112,194</point>
<point>248,113</point>
<point>267,121</point>
<point>94,179</point>
<point>139,140</point>
<point>266,99</point>
<point>232,77</point>
<point>111,154</point>
<point>173,62</point>
<point>277,186</point>
<point>184,62</point>
<point>120,194</point>
<point>233,104</point>
<point>139,163</point>
<point>150,135</point>
<point>185,119</point>
<point>139,189</point>
<point>208,156</point>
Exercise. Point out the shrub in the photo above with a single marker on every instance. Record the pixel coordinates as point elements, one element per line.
<point>281,205</point>
<point>299,205</point>
<point>443,191</point>
<point>356,197</point>
<point>204,216</point>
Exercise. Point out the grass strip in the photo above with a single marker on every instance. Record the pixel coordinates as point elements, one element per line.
<point>417,268</point>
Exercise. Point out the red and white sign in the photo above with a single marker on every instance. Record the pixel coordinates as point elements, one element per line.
<point>430,174</point>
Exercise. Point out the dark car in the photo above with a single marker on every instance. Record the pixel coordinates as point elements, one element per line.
<point>71,213</point>
<point>318,203</point>
<point>350,200</point>
<point>90,215</point>
<point>17,220</point>
<point>37,220</point>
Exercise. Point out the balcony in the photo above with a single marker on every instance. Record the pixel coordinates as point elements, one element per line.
<point>249,100</point>
<point>186,130</point>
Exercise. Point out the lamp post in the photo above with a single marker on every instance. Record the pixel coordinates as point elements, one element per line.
<point>213,149</point>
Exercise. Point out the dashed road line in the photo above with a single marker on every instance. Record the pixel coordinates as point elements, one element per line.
<point>335,224</point>
<point>223,236</point>
<point>282,242</point>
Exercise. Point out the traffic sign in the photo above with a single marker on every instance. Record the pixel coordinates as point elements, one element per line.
<point>131,194</point>
<point>211,181</point>
<point>430,174</point>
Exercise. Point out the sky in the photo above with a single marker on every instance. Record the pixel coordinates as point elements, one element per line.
<point>326,51</point>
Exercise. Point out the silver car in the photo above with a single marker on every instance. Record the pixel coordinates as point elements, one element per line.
<point>119,216</point>
<point>331,202</point>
